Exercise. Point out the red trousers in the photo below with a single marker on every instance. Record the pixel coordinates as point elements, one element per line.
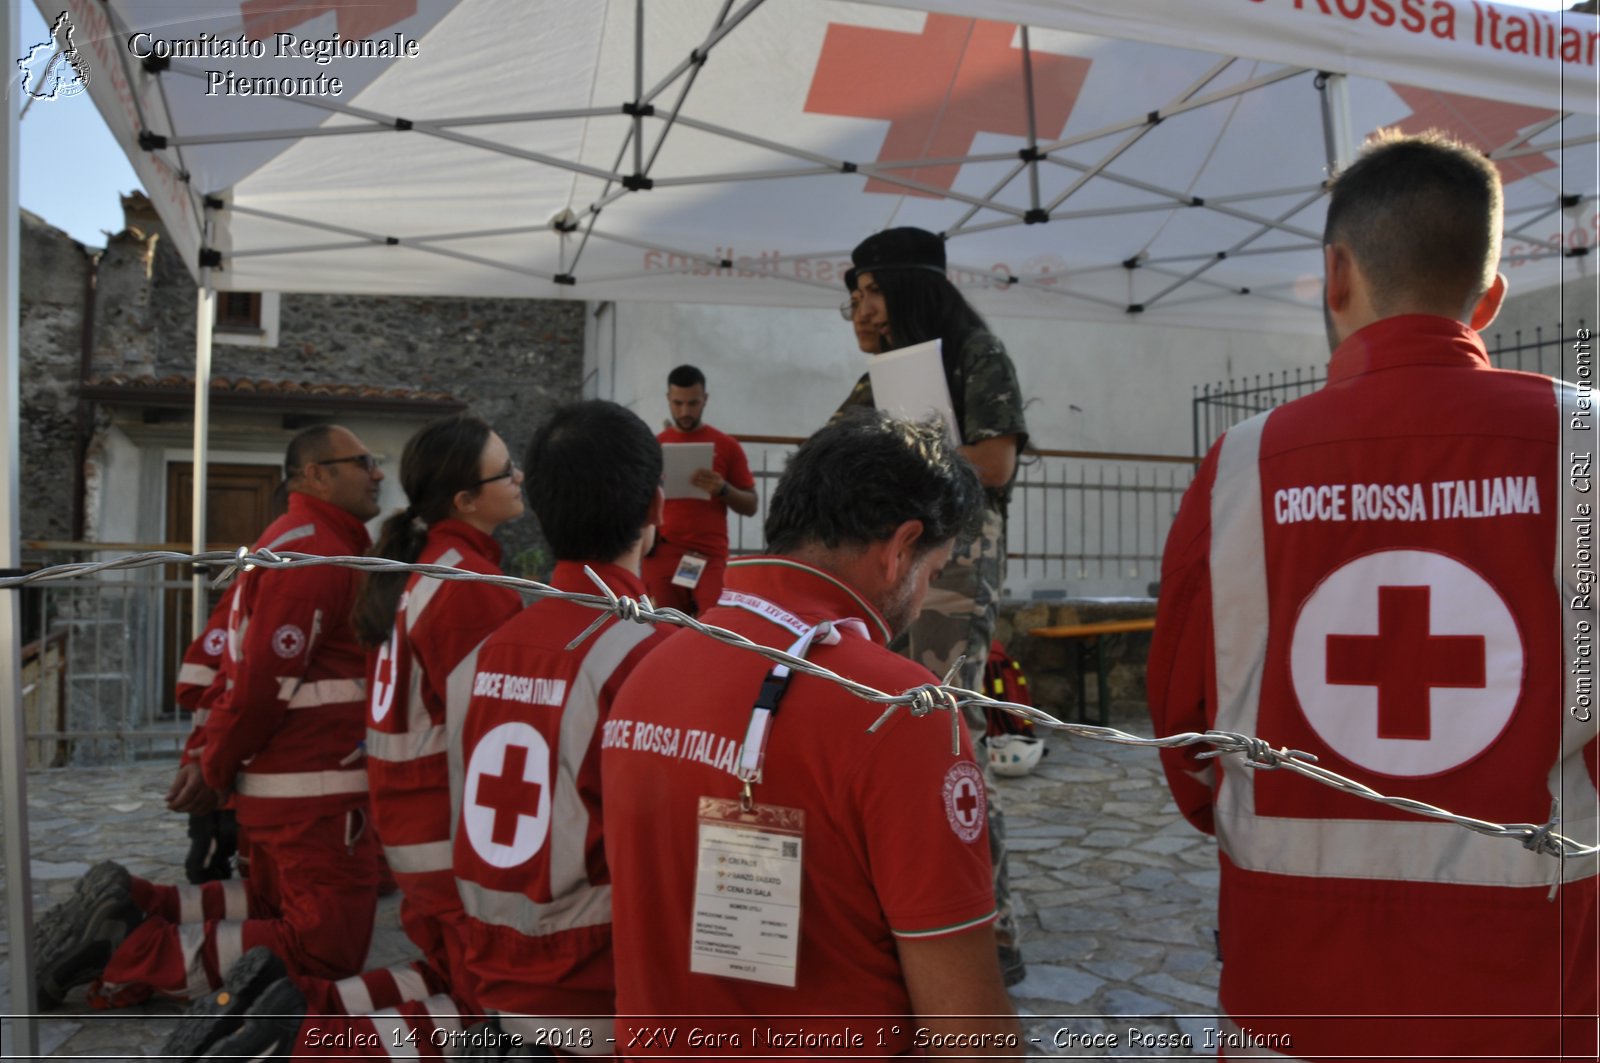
<point>310,897</point>
<point>657,568</point>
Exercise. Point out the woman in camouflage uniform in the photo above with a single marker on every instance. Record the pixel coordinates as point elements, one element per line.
<point>899,296</point>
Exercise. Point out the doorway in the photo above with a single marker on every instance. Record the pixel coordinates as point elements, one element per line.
<point>241,500</point>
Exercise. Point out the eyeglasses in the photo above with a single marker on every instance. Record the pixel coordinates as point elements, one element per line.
<point>512,468</point>
<point>847,309</point>
<point>369,462</point>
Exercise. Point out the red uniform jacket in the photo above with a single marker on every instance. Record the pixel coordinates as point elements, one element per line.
<point>425,667</point>
<point>529,850</point>
<point>286,731</point>
<point>1378,574</point>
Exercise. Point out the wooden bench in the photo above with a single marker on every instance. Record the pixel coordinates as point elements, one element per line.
<point>1091,642</point>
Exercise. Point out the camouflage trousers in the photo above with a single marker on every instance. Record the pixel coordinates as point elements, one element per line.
<point>958,617</point>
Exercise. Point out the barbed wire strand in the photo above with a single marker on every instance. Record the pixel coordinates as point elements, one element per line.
<point>918,701</point>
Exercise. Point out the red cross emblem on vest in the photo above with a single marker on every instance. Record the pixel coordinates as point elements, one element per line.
<point>506,802</point>
<point>1406,662</point>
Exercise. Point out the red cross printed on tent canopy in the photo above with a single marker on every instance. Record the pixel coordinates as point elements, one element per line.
<point>1406,662</point>
<point>356,20</point>
<point>968,80</point>
<point>1485,124</point>
<point>506,806</point>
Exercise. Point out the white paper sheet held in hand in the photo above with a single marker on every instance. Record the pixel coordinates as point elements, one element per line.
<point>680,461</point>
<point>909,383</point>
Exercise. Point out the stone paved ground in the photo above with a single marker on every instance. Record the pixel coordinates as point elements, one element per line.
<point>1118,899</point>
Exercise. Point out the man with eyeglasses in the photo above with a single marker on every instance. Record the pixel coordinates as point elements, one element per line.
<point>285,739</point>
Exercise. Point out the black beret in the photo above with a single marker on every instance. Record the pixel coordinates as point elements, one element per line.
<point>902,248</point>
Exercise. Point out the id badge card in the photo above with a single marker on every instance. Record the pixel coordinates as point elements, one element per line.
<point>690,569</point>
<point>747,892</point>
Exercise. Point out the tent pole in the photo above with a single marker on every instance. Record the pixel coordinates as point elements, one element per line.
<point>204,319</point>
<point>1033,132</point>
<point>1336,137</point>
<point>24,1026</point>
<point>638,87</point>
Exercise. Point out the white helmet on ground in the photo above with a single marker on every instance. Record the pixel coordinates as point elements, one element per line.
<point>1014,755</point>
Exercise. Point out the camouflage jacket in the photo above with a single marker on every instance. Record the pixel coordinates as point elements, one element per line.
<point>986,396</point>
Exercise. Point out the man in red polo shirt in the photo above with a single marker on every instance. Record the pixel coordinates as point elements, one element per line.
<point>684,570</point>
<point>849,876</point>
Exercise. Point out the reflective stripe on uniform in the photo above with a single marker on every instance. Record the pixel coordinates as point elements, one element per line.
<point>589,907</point>
<point>409,745</point>
<point>235,899</point>
<point>408,981</point>
<point>354,995</point>
<point>199,675</point>
<point>229,940</point>
<point>1316,848</point>
<point>444,1012</point>
<point>427,587</point>
<point>420,858</point>
<point>320,692</point>
<point>190,906</point>
<point>191,942</point>
<point>289,536</point>
<point>302,783</point>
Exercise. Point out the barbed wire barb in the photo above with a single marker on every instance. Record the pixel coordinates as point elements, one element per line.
<point>919,701</point>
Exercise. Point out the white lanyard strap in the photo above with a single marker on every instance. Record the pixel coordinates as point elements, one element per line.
<point>754,751</point>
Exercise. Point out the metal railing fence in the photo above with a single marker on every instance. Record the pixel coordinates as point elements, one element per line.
<point>1221,405</point>
<point>106,649</point>
<point>1093,521</point>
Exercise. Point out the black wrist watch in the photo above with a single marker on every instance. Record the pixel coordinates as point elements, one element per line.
<point>723,490</point>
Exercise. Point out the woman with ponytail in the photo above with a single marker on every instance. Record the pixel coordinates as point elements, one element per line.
<point>461,484</point>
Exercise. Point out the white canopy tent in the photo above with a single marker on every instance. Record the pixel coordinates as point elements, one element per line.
<point>1161,163</point>
<point>1083,165</point>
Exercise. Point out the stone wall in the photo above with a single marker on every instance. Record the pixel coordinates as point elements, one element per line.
<point>55,268</point>
<point>1051,664</point>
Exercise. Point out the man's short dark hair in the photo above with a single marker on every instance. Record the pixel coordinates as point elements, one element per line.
<point>860,478</point>
<point>308,446</point>
<point>685,376</point>
<point>591,474</point>
<point>1421,215</point>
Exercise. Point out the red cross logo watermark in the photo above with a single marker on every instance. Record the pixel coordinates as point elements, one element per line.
<point>1406,662</point>
<point>506,803</point>
<point>963,800</point>
<point>964,78</point>
<point>356,19</point>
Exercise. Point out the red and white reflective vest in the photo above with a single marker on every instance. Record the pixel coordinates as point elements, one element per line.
<point>285,733</point>
<point>529,850</point>
<point>1380,574</point>
<point>420,674</point>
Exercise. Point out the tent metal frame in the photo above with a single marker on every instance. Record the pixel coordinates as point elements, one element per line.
<point>986,212</point>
